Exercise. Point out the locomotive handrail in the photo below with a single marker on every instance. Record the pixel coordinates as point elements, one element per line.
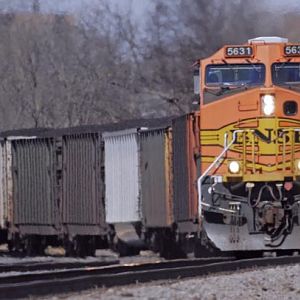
<point>200,179</point>
<point>226,148</point>
<point>292,148</point>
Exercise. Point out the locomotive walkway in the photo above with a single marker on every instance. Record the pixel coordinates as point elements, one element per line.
<point>61,281</point>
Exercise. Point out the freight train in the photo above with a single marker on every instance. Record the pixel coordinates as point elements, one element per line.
<point>224,178</point>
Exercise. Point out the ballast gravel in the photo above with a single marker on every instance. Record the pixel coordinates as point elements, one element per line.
<point>269,283</point>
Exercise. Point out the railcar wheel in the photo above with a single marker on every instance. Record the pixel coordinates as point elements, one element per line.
<point>153,242</point>
<point>33,245</point>
<point>122,248</point>
<point>16,244</point>
<point>10,245</point>
<point>169,247</point>
<point>80,246</point>
<point>91,246</point>
<point>69,248</point>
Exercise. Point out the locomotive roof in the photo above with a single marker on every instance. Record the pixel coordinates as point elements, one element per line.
<point>268,39</point>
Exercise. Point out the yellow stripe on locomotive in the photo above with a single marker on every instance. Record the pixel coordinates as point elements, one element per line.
<point>265,146</point>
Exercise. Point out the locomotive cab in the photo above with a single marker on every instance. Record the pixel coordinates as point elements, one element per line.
<point>249,188</point>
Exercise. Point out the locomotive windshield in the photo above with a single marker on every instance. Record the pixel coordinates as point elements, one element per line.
<point>286,73</point>
<point>235,75</point>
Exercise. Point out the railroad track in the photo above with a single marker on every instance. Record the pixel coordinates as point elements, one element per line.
<point>62,281</point>
<point>52,265</point>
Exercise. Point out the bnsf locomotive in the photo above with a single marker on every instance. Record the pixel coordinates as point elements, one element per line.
<point>249,184</point>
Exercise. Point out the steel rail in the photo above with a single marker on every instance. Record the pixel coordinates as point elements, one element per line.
<point>115,269</point>
<point>53,265</point>
<point>78,280</point>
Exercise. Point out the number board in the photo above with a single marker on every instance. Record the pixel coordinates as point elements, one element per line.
<point>292,50</point>
<point>242,51</point>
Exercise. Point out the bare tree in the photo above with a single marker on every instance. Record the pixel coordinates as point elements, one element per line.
<point>59,71</point>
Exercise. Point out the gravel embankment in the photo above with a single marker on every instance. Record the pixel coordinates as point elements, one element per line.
<point>271,283</point>
<point>101,256</point>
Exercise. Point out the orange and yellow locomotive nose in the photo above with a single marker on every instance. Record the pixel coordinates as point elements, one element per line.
<point>250,93</point>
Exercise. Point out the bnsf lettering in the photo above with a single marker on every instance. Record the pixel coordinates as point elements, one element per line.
<point>264,137</point>
<point>269,136</point>
<point>297,137</point>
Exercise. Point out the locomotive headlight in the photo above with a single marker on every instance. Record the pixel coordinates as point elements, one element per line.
<point>268,104</point>
<point>298,164</point>
<point>234,167</point>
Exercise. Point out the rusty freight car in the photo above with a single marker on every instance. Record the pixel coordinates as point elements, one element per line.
<point>80,156</point>
<point>30,208</point>
<point>52,191</point>
<point>150,183</point>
